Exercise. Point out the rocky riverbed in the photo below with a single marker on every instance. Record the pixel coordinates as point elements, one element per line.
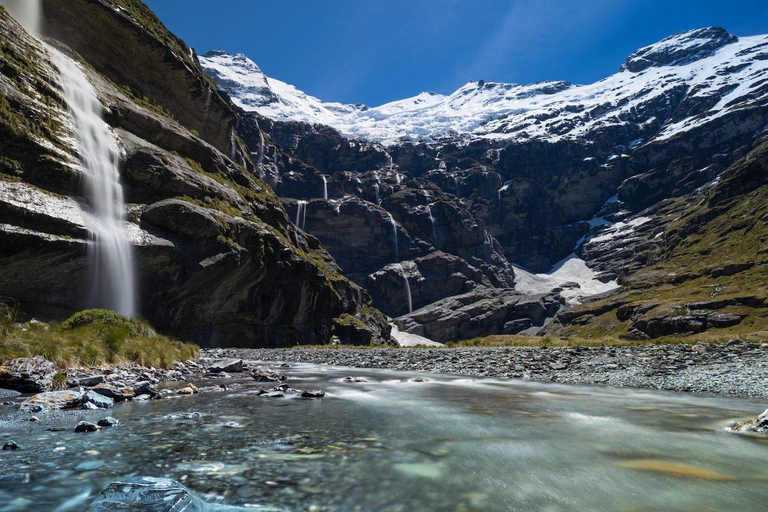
<point>735,368</point>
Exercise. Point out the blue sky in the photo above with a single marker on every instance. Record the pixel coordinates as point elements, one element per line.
<point>374,51</point>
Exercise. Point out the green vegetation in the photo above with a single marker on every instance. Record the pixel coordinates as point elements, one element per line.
<point>91,337</point>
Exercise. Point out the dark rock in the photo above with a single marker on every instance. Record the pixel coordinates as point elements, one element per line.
<point>118,394</point>
<point>355,379</point>
<point>14,479</point>
<point>89,381</point>
<point>109,421</point>
<point>27,375</point>
<point>313,393</point>
<point>85,426</point>
<point>10,445</point>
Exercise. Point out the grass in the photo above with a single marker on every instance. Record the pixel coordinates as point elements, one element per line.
<point>90,338</point>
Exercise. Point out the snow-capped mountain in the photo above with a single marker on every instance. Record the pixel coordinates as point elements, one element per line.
<point>708,72</point>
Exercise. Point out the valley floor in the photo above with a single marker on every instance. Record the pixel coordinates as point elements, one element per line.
<point>731,369</point>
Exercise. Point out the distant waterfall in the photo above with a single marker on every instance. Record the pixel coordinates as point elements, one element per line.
<point>28,13</point>
<point>301,214</point>
<point>111,252</point>
<point>407,288</point>
<point>431,218</point>
<point>325,186</point>
<point>394,236</point>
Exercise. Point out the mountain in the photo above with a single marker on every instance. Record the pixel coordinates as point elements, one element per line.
<point>498,207</point>
<point>218,260</point>
<point>713,72</point>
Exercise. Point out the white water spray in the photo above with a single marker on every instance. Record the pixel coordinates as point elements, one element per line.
<point>111,252</point>
<point>394,236</point>
<point>301,214</point>
<point>325,186</point>
<point>28,13</point>
<point>407,288</point>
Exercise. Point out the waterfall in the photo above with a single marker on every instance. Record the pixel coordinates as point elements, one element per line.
<point>407,288</point>
<point>111,252</point>
<point>325,186</point>
<point>27,12</point>
<point>301,214</point>
<point>377,192</point>
<point>431,218</point>
<point>394,236</point>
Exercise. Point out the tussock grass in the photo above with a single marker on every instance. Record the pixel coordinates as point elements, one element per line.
<point>90,338</point>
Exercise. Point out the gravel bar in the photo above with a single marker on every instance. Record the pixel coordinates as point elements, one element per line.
<point>735,368</point>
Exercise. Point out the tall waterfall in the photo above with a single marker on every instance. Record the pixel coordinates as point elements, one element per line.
<point>325,186</point>
<point>301,214</point>
<point>394,236</point>
<point>111,252</point>
<point>27,12</point>
<point>431,218</point>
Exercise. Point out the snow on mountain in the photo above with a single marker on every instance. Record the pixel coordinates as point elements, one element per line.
<point>708,71</point>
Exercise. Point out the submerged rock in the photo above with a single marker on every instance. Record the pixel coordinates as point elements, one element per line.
<point>313,393</point>
<point>27,374</point>
<point>147,493</point>
<point>355,379</point>
<point>52,400</point>
<point>758,425</point>
<point>109,421</point>
<point>11,445</point>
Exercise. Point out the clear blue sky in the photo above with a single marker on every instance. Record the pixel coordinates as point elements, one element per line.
<point>374,51</point>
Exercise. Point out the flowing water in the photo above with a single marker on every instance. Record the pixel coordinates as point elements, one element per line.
<point>394,444</point>
<point>111,252</point>
<point>301,214</point>
<point>325,186</point>
<point>27,12</point>
<point>394,237</point>
<point>407,288</point>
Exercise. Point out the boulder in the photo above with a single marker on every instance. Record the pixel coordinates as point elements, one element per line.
<point>118,394</point>
<point>265,374</point>
<point>227,365</point>
<point>107,422</point>
<point>86,426</point>
<point>97,400</point>
<point>52,400</point>
<point>28,375</point>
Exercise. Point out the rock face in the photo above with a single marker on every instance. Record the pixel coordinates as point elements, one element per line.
<point>500,174</point>
<point>219,262</point>
<point>27,375</point>
<point>480,313</point>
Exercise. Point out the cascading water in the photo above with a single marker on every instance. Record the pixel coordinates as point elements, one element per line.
<point>407,288</point>
<point>394,236</point>
<point>27,12</point>
<point>431,218</point>
<point>325,186</point>
<point>111,252</point>
<point>301,214</point>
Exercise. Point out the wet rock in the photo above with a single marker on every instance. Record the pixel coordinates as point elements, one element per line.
<point>141,398</point>
<point>355,379</point>
<point>52,400</point>
<point>34,418</point>
<point>233,424</point>
<point>420,379</point>
<point>189,389</point>
<point>114,391</point>
<point>97,400</point>
<point>109,421</point>
<point>86,426</point>
<point>10,445</point>
<point>27,374</point>
<point>227,365</point>
<point>265,374</point>
<point>758,425</point>
<point>14,479</point>
<point>145,388</point>
<point>147,493</point>
<point>90,407</point>
<point>313,393</point>
<point>184,416</point>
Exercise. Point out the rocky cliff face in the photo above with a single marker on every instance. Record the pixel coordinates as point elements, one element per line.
<point>219,260</point>
<point>568,181</point>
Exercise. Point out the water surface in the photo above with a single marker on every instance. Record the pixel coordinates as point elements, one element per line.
<point>449,443</point>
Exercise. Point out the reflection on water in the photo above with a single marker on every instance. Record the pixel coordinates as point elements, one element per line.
<point>393,444</point>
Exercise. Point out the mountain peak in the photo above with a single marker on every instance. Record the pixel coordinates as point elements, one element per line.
<point>678,49</point>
